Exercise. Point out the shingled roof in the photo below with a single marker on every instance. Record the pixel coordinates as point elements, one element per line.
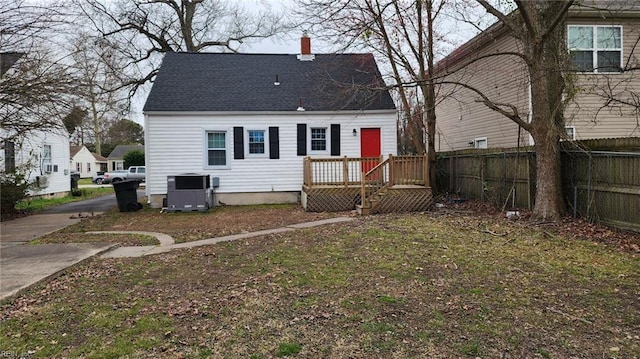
<point>122,150</point>
<point>267,82</point>
<point>7,59</point>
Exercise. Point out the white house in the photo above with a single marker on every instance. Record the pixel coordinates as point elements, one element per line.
<point>251,119</point>
<point>43,155</point>
<point>84,161</point>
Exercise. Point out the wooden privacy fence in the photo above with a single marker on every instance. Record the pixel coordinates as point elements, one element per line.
<point>601,185</point>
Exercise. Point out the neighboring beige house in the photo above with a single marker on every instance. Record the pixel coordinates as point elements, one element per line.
<point>602,43</point>
<point>86,162</point>
<point>115,161</point>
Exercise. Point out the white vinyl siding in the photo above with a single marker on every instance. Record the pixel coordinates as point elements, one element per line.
<point>85,163</point>
<point>168,153</point>
<point>31,151</point>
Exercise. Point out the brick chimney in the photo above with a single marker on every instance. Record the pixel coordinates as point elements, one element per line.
<point>305,48</point>
<point>305,44</point>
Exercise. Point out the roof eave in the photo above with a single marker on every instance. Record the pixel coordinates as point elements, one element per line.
<point>253,113</point>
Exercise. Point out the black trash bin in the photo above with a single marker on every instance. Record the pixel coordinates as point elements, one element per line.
<point>127,195</point>
<point>75,177</point>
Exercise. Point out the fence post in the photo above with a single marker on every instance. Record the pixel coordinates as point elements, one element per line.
<point>307,172</point>
<point>345,171</point>
<point>362,188</point>
<point>391,171</point>
<point>425,170</point>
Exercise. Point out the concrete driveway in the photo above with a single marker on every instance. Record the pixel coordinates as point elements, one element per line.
<point>23,265</point>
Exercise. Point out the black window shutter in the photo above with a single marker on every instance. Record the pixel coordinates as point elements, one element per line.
<point>302,139</point>
<point>238,143</point>
<point>274,143</point>
<point>335,140</point>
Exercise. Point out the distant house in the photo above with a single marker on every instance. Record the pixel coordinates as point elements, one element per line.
<point>115,160</point>
<point>86,162</point>
<point>251,119</point>
<point>602,39</point>
<point>42,155</point>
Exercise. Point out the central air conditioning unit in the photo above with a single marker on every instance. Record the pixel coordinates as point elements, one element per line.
<point>42,181</point>
<point>189,192</point>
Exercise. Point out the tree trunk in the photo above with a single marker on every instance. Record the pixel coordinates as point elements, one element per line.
<point>547,124</point>
<point>549,204</point>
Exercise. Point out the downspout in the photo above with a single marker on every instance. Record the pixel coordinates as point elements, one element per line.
<point>530,114</point>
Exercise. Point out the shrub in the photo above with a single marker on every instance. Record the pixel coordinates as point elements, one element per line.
<point>133,158</point>
<point>14,187</point>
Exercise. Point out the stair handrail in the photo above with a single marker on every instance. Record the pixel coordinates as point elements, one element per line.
<point>367,188</point>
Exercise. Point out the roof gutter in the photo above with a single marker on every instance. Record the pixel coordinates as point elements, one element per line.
<point>245,113</point>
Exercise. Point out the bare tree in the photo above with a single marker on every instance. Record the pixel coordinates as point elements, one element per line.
<point>99,69</point>
<point>539,28</point>
<point>36,85</point>
<point>403,34</point>
<point>144,29</point>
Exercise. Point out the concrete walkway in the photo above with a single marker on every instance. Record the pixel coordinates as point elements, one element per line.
<point>23,265</point>
<point>167,243</point>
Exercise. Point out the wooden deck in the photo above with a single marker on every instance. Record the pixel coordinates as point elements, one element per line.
<point>370,185</point>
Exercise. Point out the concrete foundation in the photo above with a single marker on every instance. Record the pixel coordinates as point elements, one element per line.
<point>239,199</point>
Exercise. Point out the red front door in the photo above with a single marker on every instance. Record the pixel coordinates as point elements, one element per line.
<point>369,147</point>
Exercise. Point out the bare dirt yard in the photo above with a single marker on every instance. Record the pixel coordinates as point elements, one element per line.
<point>445,284</point>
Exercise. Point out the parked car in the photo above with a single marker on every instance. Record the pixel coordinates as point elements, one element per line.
<point>117,174</point>
<point>98,178</point>
<point>133,173</point>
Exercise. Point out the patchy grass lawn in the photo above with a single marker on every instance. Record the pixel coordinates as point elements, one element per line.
<point>410,286</point>
<point>187,226</point>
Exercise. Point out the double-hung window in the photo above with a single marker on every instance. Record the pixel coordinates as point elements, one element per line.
<point>216,148</point>
<point>257,142</point>
<point>318,138</point>
<point>9,157</point>
<point>46,159</point>
<point>595,48</point>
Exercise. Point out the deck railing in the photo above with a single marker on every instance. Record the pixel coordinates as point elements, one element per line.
<point>395,171</point>
<point>343,171</point>
<point>349,171</point>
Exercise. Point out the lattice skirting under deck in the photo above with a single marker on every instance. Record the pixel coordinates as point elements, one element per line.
<point>331,199</point>
<point>337,199</point>
<point>404,200</point>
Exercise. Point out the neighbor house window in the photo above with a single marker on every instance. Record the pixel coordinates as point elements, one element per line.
<point>9,157</point>
<point>480,142</point>
<point>217,148</point>
<point>88,166</point>
<point>46,158</point>
<point>571,132</point>
<point>78,167</point>
<point>256,142</point>
<point>596,48</point>
<point>318,138</point>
